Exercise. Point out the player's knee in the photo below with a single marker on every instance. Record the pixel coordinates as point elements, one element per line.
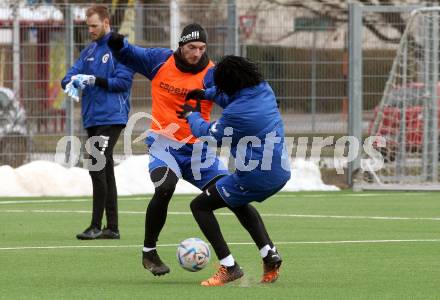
<point>200,203</point>
<point>194,205</point>
<point>165,182</point>
<point>165,190</point>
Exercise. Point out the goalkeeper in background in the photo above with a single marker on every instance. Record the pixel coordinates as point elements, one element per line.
<point>105,105</point>
<point>250,111</point>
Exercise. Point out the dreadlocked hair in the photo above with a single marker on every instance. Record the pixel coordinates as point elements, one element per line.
<point>233,73</point>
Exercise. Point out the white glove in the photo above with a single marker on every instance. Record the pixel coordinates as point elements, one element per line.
<point>71,91</point>
<point>82,80</point>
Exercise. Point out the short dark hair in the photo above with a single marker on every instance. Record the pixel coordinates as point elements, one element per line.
<point>100,10</point>
<point>233,73</point>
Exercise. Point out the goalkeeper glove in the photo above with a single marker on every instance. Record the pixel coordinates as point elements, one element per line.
<point>82,80</point>
<point>71,91</point>
<point>196,94</point>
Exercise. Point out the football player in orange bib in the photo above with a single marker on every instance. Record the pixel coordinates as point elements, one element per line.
<point>174,152</point>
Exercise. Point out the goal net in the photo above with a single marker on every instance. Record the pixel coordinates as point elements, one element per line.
<point>407,117</point>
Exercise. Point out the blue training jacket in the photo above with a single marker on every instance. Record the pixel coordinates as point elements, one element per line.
<point>98,105</point>
<point>257,135</point>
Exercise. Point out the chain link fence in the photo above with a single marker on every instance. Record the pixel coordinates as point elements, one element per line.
<point>302,50</point>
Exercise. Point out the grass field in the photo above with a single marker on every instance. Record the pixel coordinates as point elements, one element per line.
<point>338,245</point>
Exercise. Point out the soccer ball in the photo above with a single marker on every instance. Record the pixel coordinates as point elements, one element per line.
<point>193,254</point>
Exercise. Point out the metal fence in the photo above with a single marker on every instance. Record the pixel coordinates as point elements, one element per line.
<point>375,33</point>
<point>302,51</point>
<point>407,115</point>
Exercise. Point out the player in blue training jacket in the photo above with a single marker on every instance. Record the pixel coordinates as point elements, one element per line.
<point>105,85</point>
<point>252,122</point>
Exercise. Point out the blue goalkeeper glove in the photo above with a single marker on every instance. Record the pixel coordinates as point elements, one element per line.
<point>82,80</point>
<point>72,91</point>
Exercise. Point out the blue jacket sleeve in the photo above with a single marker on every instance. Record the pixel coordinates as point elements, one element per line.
<point>200,127</point>
<point>145,61</point>
<point>208,80</point>
<point>121,79</point>
<point>210,92</point>
<point>220,99</point>
<point>75,69</point>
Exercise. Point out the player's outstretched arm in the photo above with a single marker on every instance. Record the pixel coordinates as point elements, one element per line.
<point>145,61</point>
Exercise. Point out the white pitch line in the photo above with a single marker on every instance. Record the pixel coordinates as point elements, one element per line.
<point>231,214</point>
<point>293,195</point>
<point>333,194</point>
<point>146,198</point>
<point>232,243</point>
<point>59,200</point>
<point>42,201</point>
<point>353,217</point>
<point>44,211</point>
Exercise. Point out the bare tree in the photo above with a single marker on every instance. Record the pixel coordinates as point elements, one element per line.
<point>337,12</point>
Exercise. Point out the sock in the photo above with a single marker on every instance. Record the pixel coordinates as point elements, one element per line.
<point>264,251</point>
<point>146,249</point>
<point>228,261</point>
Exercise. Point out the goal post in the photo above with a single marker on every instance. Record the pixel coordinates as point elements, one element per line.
<point>407,116</point>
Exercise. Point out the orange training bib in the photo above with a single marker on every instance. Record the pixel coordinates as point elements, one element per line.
<point>169,88</point>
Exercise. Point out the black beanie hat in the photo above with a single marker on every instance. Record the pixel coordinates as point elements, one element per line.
<point>192,33</point>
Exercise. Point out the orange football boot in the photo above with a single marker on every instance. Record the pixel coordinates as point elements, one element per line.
<point>224,275</point>
<point>271,267</point>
